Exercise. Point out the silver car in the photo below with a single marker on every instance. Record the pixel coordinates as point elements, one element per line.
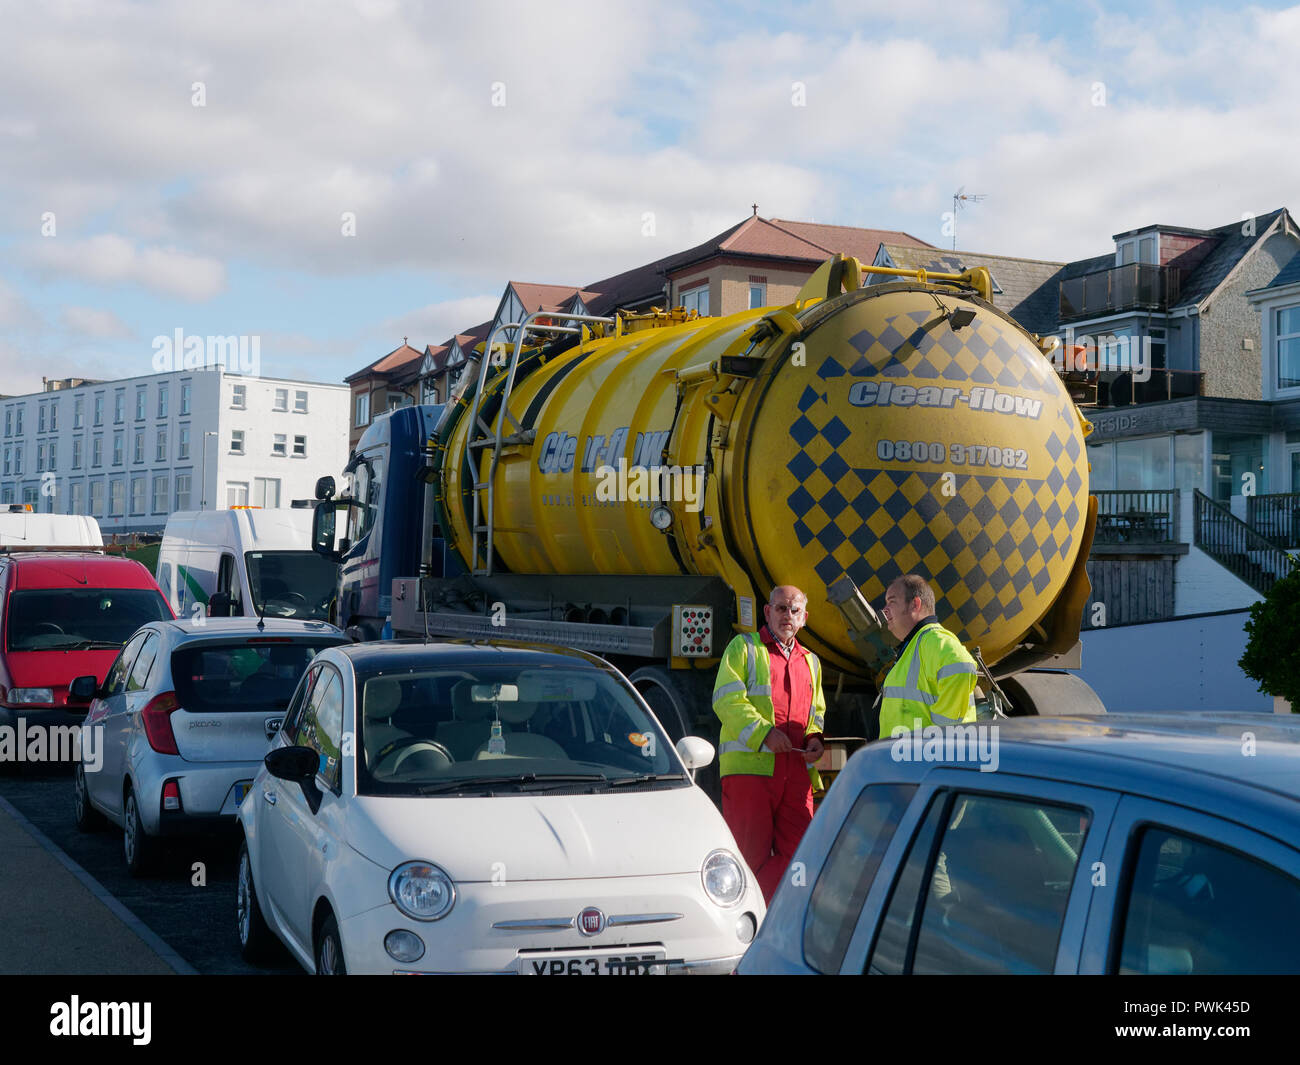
<point>178,729</point>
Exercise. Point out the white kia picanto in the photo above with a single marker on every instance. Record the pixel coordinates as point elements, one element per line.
<point>487,808</point>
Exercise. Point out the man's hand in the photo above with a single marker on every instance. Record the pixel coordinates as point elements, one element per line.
<point>813,749</point>
<point>777,741</point>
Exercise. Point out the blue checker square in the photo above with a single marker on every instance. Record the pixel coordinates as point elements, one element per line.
<point>803,431</point>
<point>862,340</point>
<point>1019,579</point>
<point>809,396</point>
<point>836,432</point>
<point>828,569</point>
<point>980,375</point>
<point>1054,447</point>
<point>1000,578</point>
<point>953,544</point>
<point>951,343</point>
<point>1041,580</point>
<point>801,466</point>
<point>801,501</point>
<point>924,542</point>
<point>1055,481</point>
<point>1072,515</point>
<point>981,544</point>
<point>832,503</point>
<point>802,532</point>
<point>1006,545</point>
<point>984,511</point>
<point>1033,513</point>
<point>830,368</point>
<point>894,540</point>
<point>862,538</point>
<point>1008,378</point>
<point>1053,515</point>
<point>1074,482</point>
<point>1072,446</point>
<point>834,467</point>
<point>928,507</point>
<point>892,339</point>
<point>830,537</point>
<point>864,504</point>
<point>947,578</point>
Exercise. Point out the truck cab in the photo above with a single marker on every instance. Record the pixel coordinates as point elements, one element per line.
<point>376,526</point>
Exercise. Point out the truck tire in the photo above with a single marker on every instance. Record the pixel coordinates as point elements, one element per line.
<point>1046,693</point>
<point>683,703</point>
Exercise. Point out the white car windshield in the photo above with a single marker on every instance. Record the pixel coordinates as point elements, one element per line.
<point>505,728</point>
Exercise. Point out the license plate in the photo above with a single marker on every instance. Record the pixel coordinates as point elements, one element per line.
<point>242,788</point>
<point>593,963</point>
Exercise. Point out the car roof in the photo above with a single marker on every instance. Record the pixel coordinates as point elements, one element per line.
<point>1146,753</point>
<point>195,628</point>
<point>73,569</point>
<point>402,654</point>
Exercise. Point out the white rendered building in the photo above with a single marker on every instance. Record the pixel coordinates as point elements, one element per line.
<point>132,451</point>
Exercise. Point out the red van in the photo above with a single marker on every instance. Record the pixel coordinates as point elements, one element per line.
<point>64,614</point>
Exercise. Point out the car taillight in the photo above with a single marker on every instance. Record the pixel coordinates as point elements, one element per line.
<point>171,794</point>
<point>158,722</point>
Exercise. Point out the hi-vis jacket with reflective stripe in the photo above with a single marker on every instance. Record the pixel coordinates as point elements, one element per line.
<point>742,699</point>
<point>932,683</point>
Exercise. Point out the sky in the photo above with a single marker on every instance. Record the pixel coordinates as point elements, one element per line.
<point>333,175</point>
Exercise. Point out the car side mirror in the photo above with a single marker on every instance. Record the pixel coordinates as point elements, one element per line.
<point>83,689</point>
<point>694,752</point>
<point>296,765</point>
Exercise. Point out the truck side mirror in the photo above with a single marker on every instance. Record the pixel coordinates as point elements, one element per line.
<point>323,528</point>
<point>324,487</point>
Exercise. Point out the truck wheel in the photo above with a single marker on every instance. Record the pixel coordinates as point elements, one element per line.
<point>1045,693</point>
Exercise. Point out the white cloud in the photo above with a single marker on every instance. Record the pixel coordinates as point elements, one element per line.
<point>435,323</point>
<point>112,259</point>
<point>101,324</point>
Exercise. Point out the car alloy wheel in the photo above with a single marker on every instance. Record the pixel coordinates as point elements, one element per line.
<point>137,847</point>
<point>88,818</point>
<point>329,950</point>
<point>255,937</point>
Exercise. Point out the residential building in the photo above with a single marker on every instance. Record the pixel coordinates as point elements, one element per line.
<point>131,452</point>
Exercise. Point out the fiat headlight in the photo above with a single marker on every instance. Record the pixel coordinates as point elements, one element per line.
<point>421,890</point>
<point>724,879</point>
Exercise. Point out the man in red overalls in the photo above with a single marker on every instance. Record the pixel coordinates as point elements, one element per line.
<point>768,696</point>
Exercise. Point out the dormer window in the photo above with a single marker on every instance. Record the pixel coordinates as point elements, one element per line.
<point>1144,249</point>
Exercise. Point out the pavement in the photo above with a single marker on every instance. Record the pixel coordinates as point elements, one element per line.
<point>58,919</point>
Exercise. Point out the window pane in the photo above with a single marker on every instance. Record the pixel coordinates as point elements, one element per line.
<point>1288,363</point>
<point>1196,907</point>
<point>889,952</point>
<point>997,897</point>
<point>850,869</point>
<point>1288,321</point>
<point>1143,464</point>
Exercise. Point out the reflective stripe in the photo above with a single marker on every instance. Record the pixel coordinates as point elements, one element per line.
<point>727,689</point>
<point>761,689</point>
<point>748,731</point>
<point>939,719</point>
<point>732,747</point>
<point>915,694</point>
<point>751,662</point>
<point>954,668</point>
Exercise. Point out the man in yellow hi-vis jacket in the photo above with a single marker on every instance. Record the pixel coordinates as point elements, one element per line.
<point>933,681</point>
<point>768,696</point>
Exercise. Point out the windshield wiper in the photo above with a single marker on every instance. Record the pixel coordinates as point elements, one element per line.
<point>520,779</point>
<point>645,778</point>
<point>82,645</point>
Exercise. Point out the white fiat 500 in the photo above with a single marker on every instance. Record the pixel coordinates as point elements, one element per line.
<point>502,808</point>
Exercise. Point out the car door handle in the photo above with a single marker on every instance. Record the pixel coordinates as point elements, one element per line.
<point>269,796</point>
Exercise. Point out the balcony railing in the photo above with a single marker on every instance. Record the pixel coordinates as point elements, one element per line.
<point>1137,517</point>
<point>1121,390</point>
<point>1234,543</point>
<point>1276,517</point>
<point>1133,286</point>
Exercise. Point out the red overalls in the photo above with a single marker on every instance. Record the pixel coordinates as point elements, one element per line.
<point>769,815</point>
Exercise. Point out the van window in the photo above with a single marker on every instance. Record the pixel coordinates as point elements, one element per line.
<point>291,584</point>
<point>66,619</point>
<point>226,583</point>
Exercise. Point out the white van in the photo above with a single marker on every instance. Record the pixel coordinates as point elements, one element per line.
<point>23,528</point>
<point>245,562</point>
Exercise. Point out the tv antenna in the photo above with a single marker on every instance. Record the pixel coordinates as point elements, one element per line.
<point>960,197</point>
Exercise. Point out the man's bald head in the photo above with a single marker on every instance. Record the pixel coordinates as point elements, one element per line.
<point>786,612</point>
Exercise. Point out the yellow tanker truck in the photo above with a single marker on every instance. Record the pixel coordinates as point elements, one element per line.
<point>636,486</point>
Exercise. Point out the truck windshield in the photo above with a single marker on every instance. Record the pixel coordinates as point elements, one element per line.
<point>291,584</point>
<point>64,619</point>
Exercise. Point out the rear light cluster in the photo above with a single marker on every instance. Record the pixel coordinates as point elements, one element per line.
<point>157,719</point>
<point>171,795</point>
